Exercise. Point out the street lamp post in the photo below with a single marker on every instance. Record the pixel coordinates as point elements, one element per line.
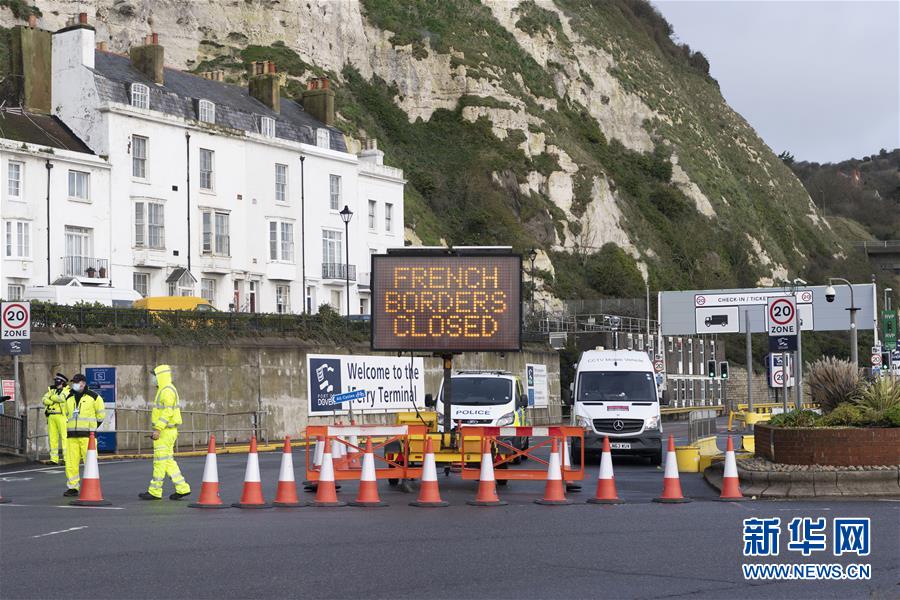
<point>829,295</point>
<point>346,215</point>
<point>532,255</point>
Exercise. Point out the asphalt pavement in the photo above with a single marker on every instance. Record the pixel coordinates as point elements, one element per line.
<point>137,549</point>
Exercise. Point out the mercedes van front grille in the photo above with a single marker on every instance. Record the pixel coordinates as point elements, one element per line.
<point>618,425</point>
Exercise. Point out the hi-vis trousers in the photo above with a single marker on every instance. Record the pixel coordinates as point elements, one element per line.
<point>56,429</point>
<point>164,464</point>
<point>76,452</point>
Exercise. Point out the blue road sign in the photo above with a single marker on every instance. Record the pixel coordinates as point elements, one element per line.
<point>347,396</point>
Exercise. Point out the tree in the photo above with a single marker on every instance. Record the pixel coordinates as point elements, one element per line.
<point>787,158</point>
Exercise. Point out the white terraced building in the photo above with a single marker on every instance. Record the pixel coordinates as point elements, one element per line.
<point>195,186</point>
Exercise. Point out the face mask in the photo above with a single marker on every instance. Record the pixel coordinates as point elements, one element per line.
<point>78,387</point>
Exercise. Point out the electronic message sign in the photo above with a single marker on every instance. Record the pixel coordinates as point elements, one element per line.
<point>446,303</point>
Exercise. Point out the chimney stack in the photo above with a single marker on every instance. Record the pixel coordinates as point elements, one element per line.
<point>318,100</point>
<point>265,84</point>
<point>74,45</point>
<point>149,58</point>
<point>30,55</point>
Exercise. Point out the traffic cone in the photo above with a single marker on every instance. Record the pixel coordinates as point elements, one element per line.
<point>319,451</point>
<point>339,454</point>
<point>368,482</point>
<point>487,486</point>
<point>731,489</point>
<point>326,494</point>
<point>91,494</point>
<point>606,485</point>
<point>252,496</point>
<point>429,494</point>
<point>671,483</point>
<point>571,486</point>
<point>554,490</point>
<point>209,489</point>
<point>286,494</point>
<point>352,452</point>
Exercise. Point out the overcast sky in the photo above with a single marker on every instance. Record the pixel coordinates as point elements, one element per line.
<point>818,78</point>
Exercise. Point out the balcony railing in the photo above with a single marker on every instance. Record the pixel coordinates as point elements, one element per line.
<point>85,266</point>
<point>338,271</point>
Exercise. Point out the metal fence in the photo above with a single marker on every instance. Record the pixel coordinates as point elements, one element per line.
<point>47,316</point>
<point>133,429</point>
<point>13,433</point>
<point>701,423</point>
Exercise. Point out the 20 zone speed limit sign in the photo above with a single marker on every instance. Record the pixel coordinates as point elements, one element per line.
<point>15,327</point>
<point>782,316</point>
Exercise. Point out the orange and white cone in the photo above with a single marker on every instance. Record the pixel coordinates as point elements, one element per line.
<point>209,489</point>
<point>429,494</point>
<point>326,494</point>
<point>286,494</point>
<point>319,452</point>
<point>368,482</point>
<point>731,489</point>
<point>339,454</point>
<point>606,485</point>
<point>671,483</point>
<point>571,486</point>
<point>487,485</point>
<point>353,453</point>
<point>252,496</point>
<point>91,494</point>
<point>554,490</point>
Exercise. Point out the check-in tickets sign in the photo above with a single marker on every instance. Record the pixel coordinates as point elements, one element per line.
<point>446,303</point>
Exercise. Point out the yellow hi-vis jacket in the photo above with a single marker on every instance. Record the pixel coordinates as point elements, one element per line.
<point>55,400</point>
<point>85,413</point>
<point>166,412</point>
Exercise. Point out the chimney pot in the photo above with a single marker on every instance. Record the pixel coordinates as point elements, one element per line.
<point>32,21</point>
<point>271,67</point>
<point>82,18</point>
<point>155,39</point>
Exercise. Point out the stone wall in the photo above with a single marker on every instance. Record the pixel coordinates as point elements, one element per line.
<point>243,375</point>
<point>828,446</point>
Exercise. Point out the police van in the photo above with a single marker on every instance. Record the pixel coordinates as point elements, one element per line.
<point>490,398</point>
<point>615,395</point>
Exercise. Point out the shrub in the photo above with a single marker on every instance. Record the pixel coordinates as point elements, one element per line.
<point>832,381</point>
<point>876,399</point>
<point>846,414</point>
<point>795,418</point>
<point>892,416</point>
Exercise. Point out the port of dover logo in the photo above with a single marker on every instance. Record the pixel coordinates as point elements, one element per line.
<point>807,538</point>
<point>325,382</point>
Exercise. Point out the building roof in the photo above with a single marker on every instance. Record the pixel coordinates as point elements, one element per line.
<point>180,93</point>
<point>44,130</point>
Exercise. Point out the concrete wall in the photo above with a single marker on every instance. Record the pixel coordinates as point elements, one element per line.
<point>241,375</point>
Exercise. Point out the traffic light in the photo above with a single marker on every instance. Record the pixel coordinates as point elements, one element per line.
<point>711,368</point>
<point>723,369</point>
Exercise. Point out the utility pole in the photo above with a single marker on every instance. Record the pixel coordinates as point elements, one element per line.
<point>749,362</point>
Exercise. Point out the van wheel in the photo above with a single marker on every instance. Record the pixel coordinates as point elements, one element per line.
<point>656,459</point>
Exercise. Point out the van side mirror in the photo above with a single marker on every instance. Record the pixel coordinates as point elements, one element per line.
<point>665,399</point>
<point>429,401</point>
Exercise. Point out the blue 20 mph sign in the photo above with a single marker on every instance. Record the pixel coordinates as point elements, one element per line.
<point>781,317</point>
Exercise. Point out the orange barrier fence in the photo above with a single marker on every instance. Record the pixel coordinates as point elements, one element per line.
<point>560,433</point>
<point>341,434</point>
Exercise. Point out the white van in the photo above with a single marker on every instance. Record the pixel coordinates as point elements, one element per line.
<point>491,398</point>
<point>615,395</point>
<point>69,291</point>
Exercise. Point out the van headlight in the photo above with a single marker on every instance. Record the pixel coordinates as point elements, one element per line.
<point>584,423</point>
<point>506,419</point>
<point>652,423</point>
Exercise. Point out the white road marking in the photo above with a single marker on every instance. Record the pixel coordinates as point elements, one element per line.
<point>60,469</point>
<point>60,531</point>
<point>10,479</point>
<point>30,471</point>
<point>63,506</point>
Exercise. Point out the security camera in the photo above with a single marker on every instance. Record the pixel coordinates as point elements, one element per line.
<point>799,281</point>
<point>829,293</point>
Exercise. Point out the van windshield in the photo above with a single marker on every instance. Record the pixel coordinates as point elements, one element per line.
<point>480,390</point>
<point>630,386</point>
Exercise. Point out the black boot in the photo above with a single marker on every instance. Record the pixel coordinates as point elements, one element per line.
<point>70,492</point>
<point>147,496</point>
<point>178,496</point>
